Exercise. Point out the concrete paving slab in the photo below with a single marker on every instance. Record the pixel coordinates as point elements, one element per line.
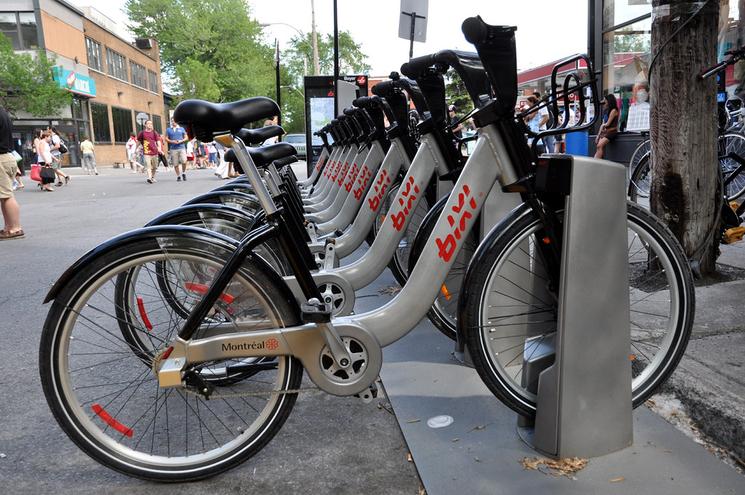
<point>481,452</point>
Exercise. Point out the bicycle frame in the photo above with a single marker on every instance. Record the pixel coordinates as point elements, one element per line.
<point>489,164</point>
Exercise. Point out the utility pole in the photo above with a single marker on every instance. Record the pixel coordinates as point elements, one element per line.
<point>276,74</point>
<point>336,62</point>
<point>314,39</point>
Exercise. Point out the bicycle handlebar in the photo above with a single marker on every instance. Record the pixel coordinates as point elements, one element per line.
<point>734,57</point>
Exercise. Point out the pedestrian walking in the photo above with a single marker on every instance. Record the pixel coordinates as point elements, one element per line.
<point>177,139</point>
<point>212,153</point>
<point>533,121</point>
<point>45,158</point>
<point>89,158</point>
<point>8,168</point>
<point>546,122</point>
<point>149,141</point>
<point>132,155</point>
<point>56,148</point>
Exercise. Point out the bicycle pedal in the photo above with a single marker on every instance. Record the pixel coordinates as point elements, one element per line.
<point>315,312</point>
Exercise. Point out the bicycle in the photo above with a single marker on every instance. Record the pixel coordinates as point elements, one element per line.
<point>730,145</point>
<point>247,322</point>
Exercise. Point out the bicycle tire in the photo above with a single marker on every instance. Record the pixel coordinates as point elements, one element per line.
<point>643,148</point>
<point>77,336</point>
<point>227,220</point>
<point>444,311</point>
<point>494,339</point>
<point>640,183</point>
<point>242,201</point>
<point>732,143</point>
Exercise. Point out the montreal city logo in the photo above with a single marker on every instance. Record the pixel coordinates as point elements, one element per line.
<point>269,344</point>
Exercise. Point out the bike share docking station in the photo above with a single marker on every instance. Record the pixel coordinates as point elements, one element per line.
<point>582,375</point>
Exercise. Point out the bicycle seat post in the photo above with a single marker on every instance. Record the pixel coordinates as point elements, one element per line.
<point>251,171</point>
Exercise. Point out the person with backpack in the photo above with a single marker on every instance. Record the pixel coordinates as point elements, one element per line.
<point>58,147</point>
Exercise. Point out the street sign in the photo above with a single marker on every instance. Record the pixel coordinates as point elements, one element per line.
<point>412,21</point>
<point>141,118</point>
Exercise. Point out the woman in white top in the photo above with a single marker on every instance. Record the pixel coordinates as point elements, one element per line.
<point>131,146</point>
<point>44,156</point>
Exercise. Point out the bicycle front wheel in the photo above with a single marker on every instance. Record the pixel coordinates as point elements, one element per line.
<point>98,353</point>
<point>510,314</point>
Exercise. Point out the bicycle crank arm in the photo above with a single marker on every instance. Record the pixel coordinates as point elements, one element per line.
<point>305,342</point>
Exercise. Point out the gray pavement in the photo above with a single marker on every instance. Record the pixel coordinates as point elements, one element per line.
<point>328,445</point>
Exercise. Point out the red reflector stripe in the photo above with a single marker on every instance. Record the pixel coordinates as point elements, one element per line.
<point>106,417</point>
<point>202,289</point>
<point>143,314</point>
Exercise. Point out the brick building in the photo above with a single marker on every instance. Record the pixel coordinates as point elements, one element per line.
<point>111,79</point>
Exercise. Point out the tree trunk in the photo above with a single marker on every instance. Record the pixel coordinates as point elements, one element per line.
<point>683,127</point>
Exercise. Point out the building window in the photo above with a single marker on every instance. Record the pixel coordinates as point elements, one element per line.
<point>139,75</point>
<point>20,28</point>
<point>116,64</point>
<point>152,81</point>
<point>157,124</point>
<point>100,117</point>
<point>94,54</point>
<point>122,124</point>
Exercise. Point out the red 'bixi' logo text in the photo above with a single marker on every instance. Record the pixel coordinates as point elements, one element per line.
<point>342,173</point>
<point>362,180</point>
<point>447,247</point>
<point>380,187</point>
<point>399,219</point>
<point>352,175</point>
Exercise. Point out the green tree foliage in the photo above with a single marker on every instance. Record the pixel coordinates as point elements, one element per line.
<point>298,60</point>
<point>26,83</point>
<point>213,50</point>
<point>351,57</point>
<point>456,93</point>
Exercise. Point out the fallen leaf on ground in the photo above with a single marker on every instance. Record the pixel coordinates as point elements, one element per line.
<point>556,467</point>
<point>617,480</point>
<point>391,290</point>
<point>413,420</point>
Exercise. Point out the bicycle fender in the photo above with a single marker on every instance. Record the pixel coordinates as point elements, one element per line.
<point>256,237</point>
<point>165,218</point>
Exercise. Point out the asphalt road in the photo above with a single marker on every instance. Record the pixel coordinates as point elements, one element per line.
<point>328,445</point>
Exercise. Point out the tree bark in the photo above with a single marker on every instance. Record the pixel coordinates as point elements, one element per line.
<point>683,127</point>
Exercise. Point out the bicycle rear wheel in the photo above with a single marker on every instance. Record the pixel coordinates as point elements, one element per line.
<point>508,314</point>
<point>99,381</point>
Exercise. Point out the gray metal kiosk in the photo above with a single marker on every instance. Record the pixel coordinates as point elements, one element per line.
<point>582,377</point>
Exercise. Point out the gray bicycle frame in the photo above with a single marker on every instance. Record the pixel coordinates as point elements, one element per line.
<point>355,165</point>
<point>351,204</point>
<point>487,166</point>
<point>326,197</point>
<point>322,210</point>
<point>323,182</point>
<point>316,169</point>
<point>353,238</point>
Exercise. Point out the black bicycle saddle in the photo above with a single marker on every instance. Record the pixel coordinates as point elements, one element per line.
<point>265,155</point>
<point>204,120</point>
<point>258,136</point>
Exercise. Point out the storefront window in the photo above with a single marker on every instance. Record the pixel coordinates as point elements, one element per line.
<point>122,118</point>
<point>101,129</point>
<point>626,71</point>
<point>20,28</point>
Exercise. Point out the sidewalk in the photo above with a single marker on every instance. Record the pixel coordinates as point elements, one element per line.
<point>710,380</point>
